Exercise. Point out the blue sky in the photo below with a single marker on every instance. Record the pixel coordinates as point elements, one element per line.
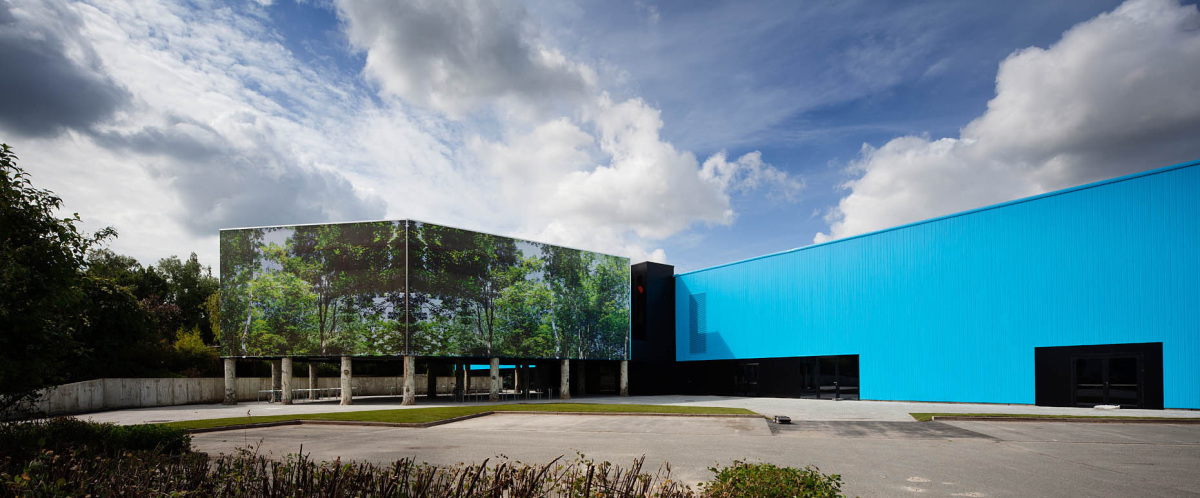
<point>694,133</point>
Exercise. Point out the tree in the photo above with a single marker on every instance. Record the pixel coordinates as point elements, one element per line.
<point>344,263</point>
<point>188,285</point>
<point>41,285</point>
<point>564,272</point>
<point>462,274</point>
<point>240,260</point>
<point>283,321</point>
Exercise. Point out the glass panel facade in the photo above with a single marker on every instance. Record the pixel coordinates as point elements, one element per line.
<point>395,288</point>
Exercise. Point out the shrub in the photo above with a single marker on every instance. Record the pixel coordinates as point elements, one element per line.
<point>22,440</point>
<point>250,474</point>
<point>107,460</point>
<point>766,480</point>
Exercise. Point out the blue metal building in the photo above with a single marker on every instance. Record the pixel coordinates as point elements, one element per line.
<point>1084,296</point>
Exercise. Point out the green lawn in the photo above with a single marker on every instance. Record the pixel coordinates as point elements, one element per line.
<point>422,415</point>
<point>926,417</point>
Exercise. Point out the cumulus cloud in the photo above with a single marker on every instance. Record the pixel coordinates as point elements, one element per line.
<point>221,126</point>
<point>201,140</point>
<point>457,55</point>
<point>592,189</point>
<point>61,83</point>
<point>222,185</point>
<point>586,171</point>
<point>1115,95</point>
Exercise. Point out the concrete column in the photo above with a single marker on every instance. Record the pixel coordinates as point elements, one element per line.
<point>410,381</point>
<point>494,394</point>
<point>564,384</point>
<point>276,379</point>
<point>431,381</point>
<point>347,381</point>
<point>517,378</point>
<point>285,384</point>
<point>467,375</point>
<point>312,380</point>
<point>624,377</point>
<point>230,382</point>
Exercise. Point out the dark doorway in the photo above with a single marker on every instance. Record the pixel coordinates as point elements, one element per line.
<point>1129,375</point>
<point>1108,380</point>
<point>745,382</point>
<point>837,377</point>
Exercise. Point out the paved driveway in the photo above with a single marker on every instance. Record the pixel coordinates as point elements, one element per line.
<point>876,458</point>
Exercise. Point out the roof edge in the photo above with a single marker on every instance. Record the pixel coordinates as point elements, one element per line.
<point>1101,183</point>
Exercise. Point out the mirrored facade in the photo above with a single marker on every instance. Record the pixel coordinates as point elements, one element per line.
<point>394,288</point>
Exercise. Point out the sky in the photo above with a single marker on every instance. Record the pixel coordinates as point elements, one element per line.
<point>693,133</point>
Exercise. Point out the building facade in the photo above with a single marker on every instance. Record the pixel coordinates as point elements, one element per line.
<point>1084,296</point>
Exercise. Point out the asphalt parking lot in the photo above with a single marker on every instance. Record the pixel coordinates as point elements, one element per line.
<point>875,457</point>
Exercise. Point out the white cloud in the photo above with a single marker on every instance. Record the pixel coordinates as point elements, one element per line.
<point>484,124</point>
<point>1115,95</point>
<point>202,141</point>
<point>749,173</point>
<point>456,56</point>
<point>581,170</point>
<point>621,188</point>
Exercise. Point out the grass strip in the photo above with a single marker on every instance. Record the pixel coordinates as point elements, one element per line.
<point>424,415</point>
<point>926,417</point>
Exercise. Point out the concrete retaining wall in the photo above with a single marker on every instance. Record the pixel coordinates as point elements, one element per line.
<point>114,394</point>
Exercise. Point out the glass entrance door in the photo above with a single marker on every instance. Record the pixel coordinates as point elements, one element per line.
<point>746,380</point>
<point>1124,383</point>
<point>1108,380</point>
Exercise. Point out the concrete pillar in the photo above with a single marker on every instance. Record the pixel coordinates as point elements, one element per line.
<point>624,377</point>
<point>276,379</point>
<point>564,384</point>
<point>312,380</point>
<point>347,381</point>
<point>431,381</point>
<point>230,382</point>
<point>517,376</point>
<point>466,377</point>
<point>285,384</point>
<point>410,381</point>
<point>494,394</point>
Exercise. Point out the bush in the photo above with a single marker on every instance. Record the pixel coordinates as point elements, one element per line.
<point>68,457</point>
<point>250,474</point>
<point>23,440</point>
<point>766,480</point>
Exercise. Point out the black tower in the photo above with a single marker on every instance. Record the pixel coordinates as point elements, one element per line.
<point>652,329</point>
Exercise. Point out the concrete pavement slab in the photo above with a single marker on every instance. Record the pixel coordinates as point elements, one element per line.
<point>888,461</point>
<point>797,409</point>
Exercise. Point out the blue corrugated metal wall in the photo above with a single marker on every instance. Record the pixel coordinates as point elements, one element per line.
<point>951,309</point>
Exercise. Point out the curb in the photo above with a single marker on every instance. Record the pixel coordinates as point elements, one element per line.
<point>1105,420</point>
<point>422,425</point>
<point>634,414</point>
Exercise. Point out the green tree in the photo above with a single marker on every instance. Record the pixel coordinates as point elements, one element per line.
<point>524,312</point>
<point>344,263</point>
<point>283,315</point>
<point>564,273</point>
<point>241,258</point>
<point>118,336</point>
<point>188,285</point>
<point>462,274</point>
<point>41,272</point>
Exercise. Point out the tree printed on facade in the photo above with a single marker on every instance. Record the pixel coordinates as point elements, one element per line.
<point>405,287</point>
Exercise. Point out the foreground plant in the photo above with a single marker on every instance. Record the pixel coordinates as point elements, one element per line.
<point>76,473</point>
<point>70,457</point>
<point>769,481</point>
